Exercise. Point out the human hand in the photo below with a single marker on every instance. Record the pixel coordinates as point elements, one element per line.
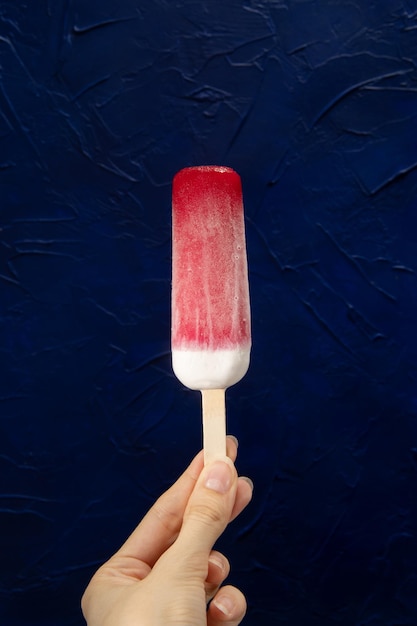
<point>166,572</point>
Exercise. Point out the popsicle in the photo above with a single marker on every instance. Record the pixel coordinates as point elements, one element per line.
<point>211,334</point>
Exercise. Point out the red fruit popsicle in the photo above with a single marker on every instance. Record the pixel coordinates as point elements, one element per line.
<point>211,335</point>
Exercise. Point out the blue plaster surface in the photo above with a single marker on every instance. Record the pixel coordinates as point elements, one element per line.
<point>315,105</point>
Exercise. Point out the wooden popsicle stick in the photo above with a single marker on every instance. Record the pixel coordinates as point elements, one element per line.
<point>214,424</point>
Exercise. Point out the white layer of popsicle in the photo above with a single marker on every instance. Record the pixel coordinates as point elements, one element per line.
<point>210,369</point>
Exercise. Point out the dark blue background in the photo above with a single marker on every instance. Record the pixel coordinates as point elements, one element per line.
<point>314,103</point>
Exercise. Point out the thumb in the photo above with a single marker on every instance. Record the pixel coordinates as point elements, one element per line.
<point>209,507</point>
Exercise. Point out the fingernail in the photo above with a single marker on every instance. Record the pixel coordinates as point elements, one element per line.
<point>235,439</point>
<point>225,605</point>
<point>219,477</point>
<point>247,480</point>
<point>217,562</point>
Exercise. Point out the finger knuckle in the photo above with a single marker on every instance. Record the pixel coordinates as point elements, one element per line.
<point>205,513</point>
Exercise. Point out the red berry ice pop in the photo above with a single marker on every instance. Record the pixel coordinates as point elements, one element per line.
<point>211,335</point>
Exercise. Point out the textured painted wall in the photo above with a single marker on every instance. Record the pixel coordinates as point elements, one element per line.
<point>314,103</point>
